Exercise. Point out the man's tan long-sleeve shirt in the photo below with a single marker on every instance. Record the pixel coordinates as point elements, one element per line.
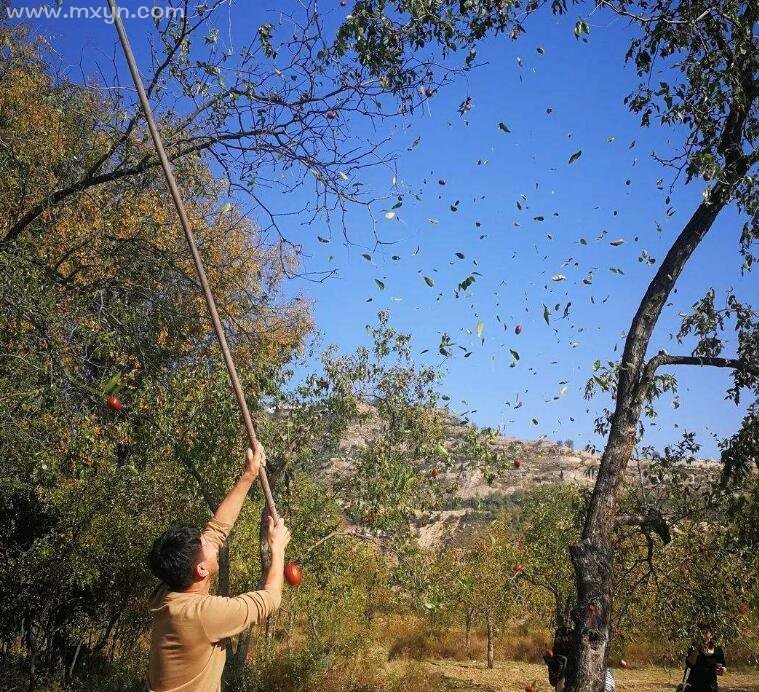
<point>187,652</point>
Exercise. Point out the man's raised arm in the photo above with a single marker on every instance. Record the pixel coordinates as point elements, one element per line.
<point>229,508</point>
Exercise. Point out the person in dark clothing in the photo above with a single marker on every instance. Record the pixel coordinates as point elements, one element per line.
<point>556,658</point>
<point>706,661</point>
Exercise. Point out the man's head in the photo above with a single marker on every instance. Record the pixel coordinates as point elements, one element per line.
<point>181,556</point>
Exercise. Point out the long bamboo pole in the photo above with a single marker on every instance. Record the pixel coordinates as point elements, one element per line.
<point>179,204</point>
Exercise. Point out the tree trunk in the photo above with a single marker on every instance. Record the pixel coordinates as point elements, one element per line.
<point>467,628</point>
<point>222,589</point>
<point>236,663</point>
<point>70,669</point>
<point>489,623</point>
<point>592,557</point>
<point>265,559</point>
<point>243,646</point>
<point>566,613</point>
<point>31,646</point>
<point>32,672</point>
<point>562,609</point>
<point>223,583</point>
<point>290,629</point>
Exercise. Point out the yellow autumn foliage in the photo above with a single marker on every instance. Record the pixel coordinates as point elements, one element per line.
<point>51,131</point>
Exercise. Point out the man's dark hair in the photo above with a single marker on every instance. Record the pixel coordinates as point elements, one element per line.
<point>173,555</point>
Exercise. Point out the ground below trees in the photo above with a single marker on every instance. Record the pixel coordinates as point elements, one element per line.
<point>512,676</point>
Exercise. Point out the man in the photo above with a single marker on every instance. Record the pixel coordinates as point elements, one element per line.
<point>187,650</point>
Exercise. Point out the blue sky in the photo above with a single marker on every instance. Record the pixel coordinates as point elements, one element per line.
<point>608,193</point>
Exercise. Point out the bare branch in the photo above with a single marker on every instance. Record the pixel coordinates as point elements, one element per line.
<point>343,534</point>
<point>661,18</point>
<point>662,358</point>
<point>193,471</point>
<point>652,520</point>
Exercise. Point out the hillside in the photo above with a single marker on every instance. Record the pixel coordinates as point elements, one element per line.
<point>473,499</point>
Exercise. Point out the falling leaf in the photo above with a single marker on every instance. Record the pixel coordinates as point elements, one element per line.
<point>322,240</point>
<point>546,314</point>
<point>389,215</point>
<point>538,218</point>
<point>380,284</point>
<point>466,283</point>
<point>514,354</point>
<point>558,277</point>
<point>226,208</point>
<point>618,242</point>
<point>429,281</point>
<point>541,50</point>
<point>480,328</point>
<point>581,27</point>
<point>583,241</point>
<point>460,255</point>
<point>367,257</point>
<point>504,127</point>
<point>575,156</point>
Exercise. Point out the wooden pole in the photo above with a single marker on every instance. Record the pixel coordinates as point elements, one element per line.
<point>179,204</point>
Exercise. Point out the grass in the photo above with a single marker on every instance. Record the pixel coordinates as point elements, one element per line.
<point>440,655</point>
<point>410,654</point>
<point>416,639</point>
<point>513,676</point>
